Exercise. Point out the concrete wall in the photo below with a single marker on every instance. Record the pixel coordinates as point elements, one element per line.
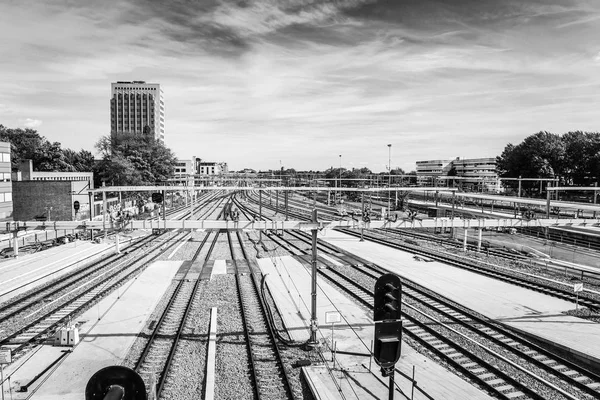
<point>30,199</point>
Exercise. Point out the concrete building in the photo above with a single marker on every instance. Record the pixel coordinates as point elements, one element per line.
<point>50,196</point>
<point>475,174</point>
<point>137,107</point>
<point>428,170</point>
<point>6,195</point>
<point>211,167</point>
<point>183,174</point>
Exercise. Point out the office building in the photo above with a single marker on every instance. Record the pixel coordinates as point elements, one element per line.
<point>474,174</point>
<point>137,107</point>
<point>429,170</point>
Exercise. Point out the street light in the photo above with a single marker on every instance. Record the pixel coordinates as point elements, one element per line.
<point>389,176</point>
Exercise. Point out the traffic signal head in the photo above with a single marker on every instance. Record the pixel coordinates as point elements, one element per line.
<point>387,298</point>
<point>157,198</point>
<point>76,205</point>
<point>388,327</point>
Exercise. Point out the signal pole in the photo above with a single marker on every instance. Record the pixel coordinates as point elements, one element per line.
<point>313,316</point>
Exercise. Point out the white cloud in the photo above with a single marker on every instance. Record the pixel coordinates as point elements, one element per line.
<point>30,122</point>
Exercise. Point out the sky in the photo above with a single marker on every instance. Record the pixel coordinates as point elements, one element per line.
<point>296,83</point>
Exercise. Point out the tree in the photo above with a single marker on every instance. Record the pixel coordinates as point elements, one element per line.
<point>582,151</point>
<point>27,144</point>
<point>127,160</point>
<point>539,156</point>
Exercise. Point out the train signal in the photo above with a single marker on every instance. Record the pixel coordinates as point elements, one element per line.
<point>116,382</point>
<point>76,205</point>
<point>157,198</point>
<point>388,297</point>
<point>388,326</point>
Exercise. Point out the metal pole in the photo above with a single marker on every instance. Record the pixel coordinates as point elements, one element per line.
<point>392,388</point>
<point>260,211</point>
<point>340,181</point>
<point>286,205</point>
<point>191,203</point>
<point>412,388</point>
<point>91,201</point>
<point>104,214</point>
<point>164,207</point>
<point>2,379</point>
<point>313,317</point>
<point>16,243</point>
<point>519,186</point>
<point>465,240</point>
<point>371,356</point>
<point>548,203</point>
<point>389,175</point>
<point>479,241</point>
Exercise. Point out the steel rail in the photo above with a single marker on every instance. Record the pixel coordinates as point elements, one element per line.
<point>22,344</point>
<point>472,266</point>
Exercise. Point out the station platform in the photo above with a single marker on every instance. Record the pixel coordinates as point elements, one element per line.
<point>23,273</point>
<point>531,312</point>
<point>352,376</point>
<point>107,331</point>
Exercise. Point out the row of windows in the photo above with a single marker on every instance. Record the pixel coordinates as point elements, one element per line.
<point>5,157</point>
<point>5,177</point>
<point>132,88</point>
<point>61,178</point>
<point>5,197</point>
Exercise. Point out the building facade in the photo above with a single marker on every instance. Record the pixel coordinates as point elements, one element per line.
<point>429,170</point>
<point>211,167</point>
<point>51,196</point>
<point>184,171</point>
<point>474,174</point>
<point>6,195</point>
<point>137,107</point>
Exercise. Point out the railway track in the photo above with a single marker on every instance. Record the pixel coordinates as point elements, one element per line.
<point>270,377</point>
<point>474,266</point>
<point>473,345</point>
<point>159,352</point>
<point>71,280</point>
<point>477,267</point>
<point>46,320</point>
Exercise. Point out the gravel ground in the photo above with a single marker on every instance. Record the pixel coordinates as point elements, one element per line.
<point>233,379</point>
<point>186,379</point>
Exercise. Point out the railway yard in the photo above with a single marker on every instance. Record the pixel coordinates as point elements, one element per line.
<point>226,313</point>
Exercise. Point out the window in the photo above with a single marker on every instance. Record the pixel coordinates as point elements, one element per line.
<point>5,157</point>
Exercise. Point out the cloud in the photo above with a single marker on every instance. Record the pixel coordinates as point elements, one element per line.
<point>256,81</point>
<point>30,123</point>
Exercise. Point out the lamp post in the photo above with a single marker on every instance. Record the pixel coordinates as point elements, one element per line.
<point>389,175</point>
